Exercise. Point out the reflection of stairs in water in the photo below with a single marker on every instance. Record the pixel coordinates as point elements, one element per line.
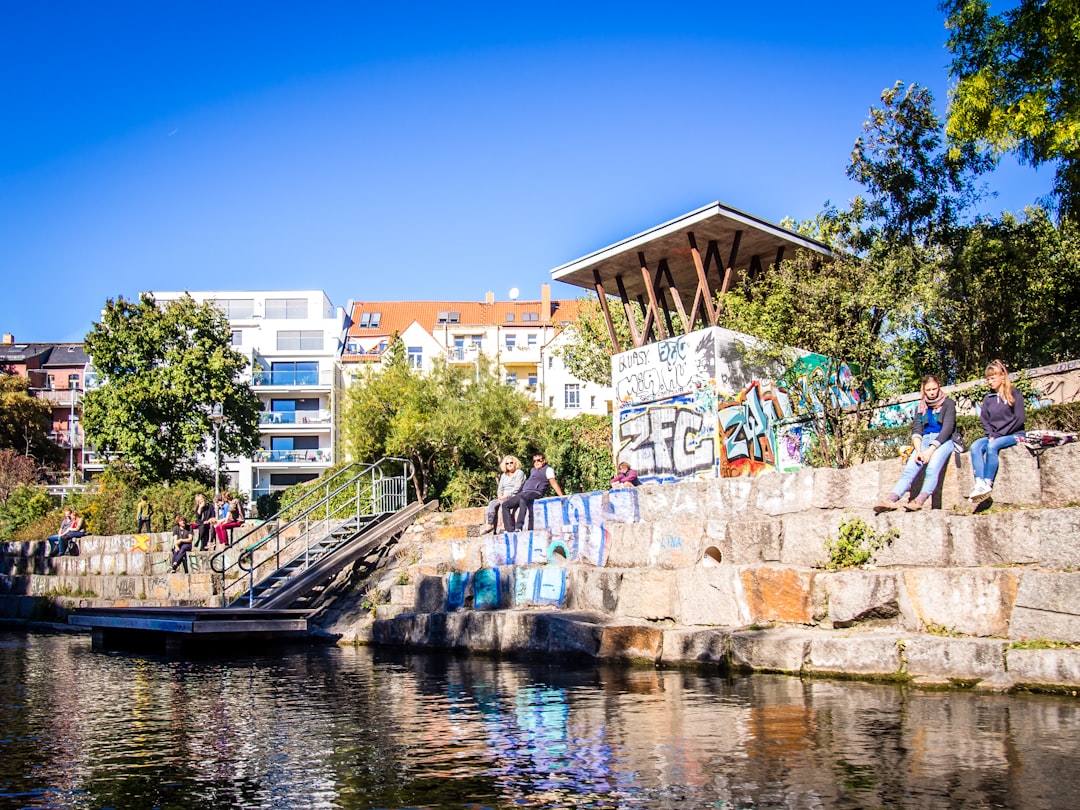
<point>355,512</point>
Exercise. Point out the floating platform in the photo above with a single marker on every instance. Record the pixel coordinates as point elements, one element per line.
<point>176,630</point>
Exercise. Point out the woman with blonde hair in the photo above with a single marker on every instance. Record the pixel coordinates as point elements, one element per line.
<point>510,483</point>
<point>1002,417</point>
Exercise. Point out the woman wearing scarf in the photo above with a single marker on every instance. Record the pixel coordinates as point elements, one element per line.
<point>931,436</point>
<point>1002,417</point>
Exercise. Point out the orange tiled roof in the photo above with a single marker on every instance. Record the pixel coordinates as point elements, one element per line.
<point>397,316</point>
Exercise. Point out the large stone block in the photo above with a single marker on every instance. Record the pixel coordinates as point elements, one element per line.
<point>784,493</point>
<point>804,534</point>
<point>997,538</point>
<point>861,654</point>
<point>769,651</point>
<point>744,541</point>
<point>924,539</point>
<point>1044,668</point>
<point>961,658</point>
<point>973,602</point>
<point>1060,476</point>
<point>430,594</point>
<point>850,488</point>
<point>592,589</point>
<point>729,498</point>
<point>676,543</point>
<point>1058,533</point>
<point>629,545</point>
<point>649,594</point>
<point>1047,607</point>
<point>778,594</point>
<point>631,643</point>
<point>1018,479</point>
<point>852,597</point>
<point>712,596</point>
<point>695,646</point>
<point>687,499</point>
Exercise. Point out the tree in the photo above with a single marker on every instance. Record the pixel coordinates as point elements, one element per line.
<point>1018,85</point>
<point>163,369</point>
<point>586,349</point>
<point>15,470</point>
<point>24,420</point>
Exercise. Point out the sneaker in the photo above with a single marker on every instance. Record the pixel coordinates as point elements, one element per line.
<point>886,506</point>
<point>984,492</point>
<point>915,504</point>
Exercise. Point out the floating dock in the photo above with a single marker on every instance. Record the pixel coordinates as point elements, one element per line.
<point>176,630</point>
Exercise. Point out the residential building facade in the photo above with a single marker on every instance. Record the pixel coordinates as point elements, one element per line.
<point>521,337</point>
<point>292,340</point>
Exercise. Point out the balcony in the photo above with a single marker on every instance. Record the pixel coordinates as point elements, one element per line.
<point>59,397</point>
<point>292,379</point>
<point>274,418</point>
<point>463,354</point>
<point>319,456</point>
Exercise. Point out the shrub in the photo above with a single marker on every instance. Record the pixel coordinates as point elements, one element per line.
<point>856,543</point>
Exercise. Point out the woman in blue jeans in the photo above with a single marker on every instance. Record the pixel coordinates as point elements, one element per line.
<point>931,437</point>
<point>1002,417</point>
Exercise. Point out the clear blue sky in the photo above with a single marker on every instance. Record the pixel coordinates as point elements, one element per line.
<point>411,150</point>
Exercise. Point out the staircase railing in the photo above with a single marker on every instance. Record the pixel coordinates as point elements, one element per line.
<point>323,519</point>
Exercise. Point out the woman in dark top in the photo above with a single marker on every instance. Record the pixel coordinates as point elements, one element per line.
<point>931,437</point>
<point>1002,417</point>
<point>181,543</point>
<point>204,520</point>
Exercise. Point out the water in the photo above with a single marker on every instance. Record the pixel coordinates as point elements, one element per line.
<point>342,728</point>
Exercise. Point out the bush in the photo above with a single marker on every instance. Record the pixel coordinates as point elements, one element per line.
<point>26,506</point>
<point>856,543</point>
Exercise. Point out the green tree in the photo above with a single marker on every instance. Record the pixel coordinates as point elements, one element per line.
<point>1018,84</point>
<point>163,369</point>
<point>24,420</point>
<point>586,348</point>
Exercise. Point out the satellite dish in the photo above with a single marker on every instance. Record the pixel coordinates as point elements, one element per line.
<point>513,293</point>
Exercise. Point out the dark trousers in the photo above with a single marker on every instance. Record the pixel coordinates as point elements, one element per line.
<point>144,525</point>
<point>521,504</point>
<point>204,536</point>
<point>180,556</point>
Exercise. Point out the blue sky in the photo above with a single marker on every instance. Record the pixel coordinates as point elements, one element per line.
<point>415,150</point>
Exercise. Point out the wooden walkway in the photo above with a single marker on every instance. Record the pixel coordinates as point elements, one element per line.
<point>176,630</point>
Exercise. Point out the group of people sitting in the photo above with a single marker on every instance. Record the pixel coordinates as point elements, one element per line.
<point>72,527</point>
<point>516,493</point>
<point>934,438</point>
<point>226,513</point>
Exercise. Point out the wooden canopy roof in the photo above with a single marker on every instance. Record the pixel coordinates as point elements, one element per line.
<point>677,269</point>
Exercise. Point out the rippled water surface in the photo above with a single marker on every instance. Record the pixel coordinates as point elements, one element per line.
<point>342,728</point>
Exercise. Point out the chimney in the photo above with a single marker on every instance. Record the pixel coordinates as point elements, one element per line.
<point>489,297</point>
<point>545,302</point>
<point>8,339</point>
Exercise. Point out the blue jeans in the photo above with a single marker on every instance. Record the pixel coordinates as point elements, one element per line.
<point>933,470</point>
<point>984,454</point>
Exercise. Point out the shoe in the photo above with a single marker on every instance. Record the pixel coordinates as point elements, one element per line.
<point>982,491</point>
<point>886,506</point>
<point>914,505</point>
<point>488,530</point>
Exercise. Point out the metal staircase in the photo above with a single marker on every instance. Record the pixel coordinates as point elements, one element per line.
<point>296,551</point>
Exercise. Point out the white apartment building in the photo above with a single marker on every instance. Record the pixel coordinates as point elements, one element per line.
<point>292,339</point>
<point>520,336</point>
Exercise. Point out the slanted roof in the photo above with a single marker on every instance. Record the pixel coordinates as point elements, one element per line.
<point>66,355</point>
<point>681,265</point>
<point>397,316</point>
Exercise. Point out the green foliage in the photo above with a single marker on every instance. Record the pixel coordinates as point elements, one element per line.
<point>267,504</point>
<point>25,421</point>
<point>1042,644</point>
<point>15,470</point>
<point>586,348</point>
<point>25,505</point>
<point>580,450</point>
<point>163,369</point>
<point>856,543</point>
<point>1018,85</point>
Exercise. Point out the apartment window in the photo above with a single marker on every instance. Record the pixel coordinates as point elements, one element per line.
<point>416,357</point>
<point>370,320</point>
<point>237,309</point>
<point>511,378</point>
<point>532,381</point>
<point>299,339</point>
<point>294,443</point>
<point>50,382</point>
<point>299,373</point>
<point>551,402</point>
<point>236,337</point>
<point>73,381</point>
<point>511,340</point>
<point>532,340</point>
<point>509,317</point>
<point>286,308</point>
<point>449,317</point>
<point>530,316</point>
<point>572,396</point>
<point>551,361</point>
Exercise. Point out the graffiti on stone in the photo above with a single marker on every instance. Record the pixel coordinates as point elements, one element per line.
<point>668,440</point>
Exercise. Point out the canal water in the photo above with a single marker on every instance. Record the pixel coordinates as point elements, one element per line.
<point>316,727</point>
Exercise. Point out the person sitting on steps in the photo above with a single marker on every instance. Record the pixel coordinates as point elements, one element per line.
<point>931,436</point>
<point>1002,417</point>
<point>536,487</point>
<point>510,483</point>
<point>181,543</point>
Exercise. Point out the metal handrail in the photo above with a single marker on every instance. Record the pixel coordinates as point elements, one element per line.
<point>341,498</point>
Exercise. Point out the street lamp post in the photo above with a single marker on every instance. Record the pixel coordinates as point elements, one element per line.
<point>72,433</point>
<point>217,416</point>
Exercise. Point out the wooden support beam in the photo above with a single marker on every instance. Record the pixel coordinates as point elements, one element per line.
<point>733,256</point>
<point>648,330</point>
<point>702,296</point>
<point>677,299</point>
<point>628,308</point>
<point>779,257</point>
<point>607,312</point>
<point>755,269</point>
<point>650,289</point>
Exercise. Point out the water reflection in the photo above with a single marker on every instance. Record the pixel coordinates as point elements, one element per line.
<point>343,728</point>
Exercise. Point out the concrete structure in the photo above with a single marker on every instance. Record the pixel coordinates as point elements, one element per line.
<point>521,337</point>
<point>292,339</point>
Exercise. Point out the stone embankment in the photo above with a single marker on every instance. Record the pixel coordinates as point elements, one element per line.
<point>730,573</point>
